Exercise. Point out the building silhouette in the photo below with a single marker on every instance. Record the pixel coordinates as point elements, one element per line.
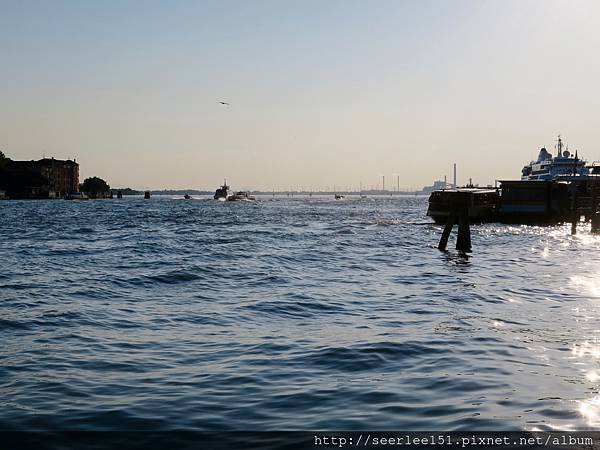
<point>45,178</point>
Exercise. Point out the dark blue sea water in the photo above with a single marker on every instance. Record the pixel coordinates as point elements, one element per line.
<point>291,314</point>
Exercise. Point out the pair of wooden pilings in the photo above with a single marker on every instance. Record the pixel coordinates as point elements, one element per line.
<point>594,214</point>
<point>459,214</point>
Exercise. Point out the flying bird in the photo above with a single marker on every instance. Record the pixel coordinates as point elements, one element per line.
<point>224,103</point>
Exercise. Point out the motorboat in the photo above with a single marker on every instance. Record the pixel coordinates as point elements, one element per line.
<point>241,196</point>
<point>223,192</point>
<point>76,196</point>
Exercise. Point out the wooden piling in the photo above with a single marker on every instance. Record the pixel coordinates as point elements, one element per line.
<point>594,216</point>
<point>463,240</point>
<point>574,211</point>
<point>596,223</point>
<point>459,213</point>
<point>447,230</point>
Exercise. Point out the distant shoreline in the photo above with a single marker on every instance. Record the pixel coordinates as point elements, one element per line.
<point>128,191</point>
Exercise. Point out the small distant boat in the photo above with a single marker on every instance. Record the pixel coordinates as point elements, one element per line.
<point>241,196</point>
<point>76,196</point>
<point>223,192</point>
<point>339,197</point>
<point>187,196</point>
<point>147,195</point>
<point>363,196</point>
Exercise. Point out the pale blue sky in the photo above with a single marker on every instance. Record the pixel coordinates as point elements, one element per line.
<point>321,92</point>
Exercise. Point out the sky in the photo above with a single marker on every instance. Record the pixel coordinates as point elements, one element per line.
<point>322,94</point>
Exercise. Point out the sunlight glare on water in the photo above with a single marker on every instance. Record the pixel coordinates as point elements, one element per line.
<point>291,313</point>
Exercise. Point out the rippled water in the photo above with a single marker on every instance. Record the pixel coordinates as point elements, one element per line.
<point>291,314</point>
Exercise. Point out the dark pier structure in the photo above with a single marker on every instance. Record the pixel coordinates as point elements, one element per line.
<point>532,202</point>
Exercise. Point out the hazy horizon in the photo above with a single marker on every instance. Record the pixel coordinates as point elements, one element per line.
<point>320,94</point>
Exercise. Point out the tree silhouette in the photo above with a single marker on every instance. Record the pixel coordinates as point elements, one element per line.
<point>3,160</point>
<point>94,186</point>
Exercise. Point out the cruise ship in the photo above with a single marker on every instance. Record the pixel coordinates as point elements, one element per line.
<point>560,167</point>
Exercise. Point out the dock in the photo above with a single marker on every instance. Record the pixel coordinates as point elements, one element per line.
<point>532,202</point>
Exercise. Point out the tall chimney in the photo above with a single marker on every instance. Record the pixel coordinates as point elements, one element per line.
<point>455,185</point>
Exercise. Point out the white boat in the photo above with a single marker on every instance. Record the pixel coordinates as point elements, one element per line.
<point>241,196</point>
<point>563,166</point>
<point>76,196</point>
